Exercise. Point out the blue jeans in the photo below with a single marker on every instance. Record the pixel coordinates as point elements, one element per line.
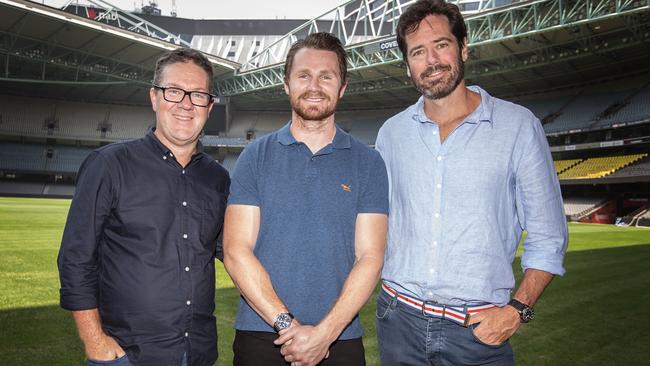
<point>407,337</point>
<point>124,361</point>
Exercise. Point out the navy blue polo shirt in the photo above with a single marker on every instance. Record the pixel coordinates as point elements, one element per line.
<point>308,204</point>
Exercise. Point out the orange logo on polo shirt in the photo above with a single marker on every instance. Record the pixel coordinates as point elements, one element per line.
<point>346,187</point>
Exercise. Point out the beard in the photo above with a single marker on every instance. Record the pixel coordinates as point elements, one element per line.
<point>442,87</point>
<point>313,112</point>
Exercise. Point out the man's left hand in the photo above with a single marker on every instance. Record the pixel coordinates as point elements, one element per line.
<point>308,346</point>
<point>496,324</point>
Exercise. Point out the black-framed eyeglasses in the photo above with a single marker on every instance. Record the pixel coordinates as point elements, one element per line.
<point>176,95</point>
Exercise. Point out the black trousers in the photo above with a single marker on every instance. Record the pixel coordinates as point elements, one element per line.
<point>257,349</point>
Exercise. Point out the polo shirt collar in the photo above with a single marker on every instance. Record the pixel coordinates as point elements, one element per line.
<point>482,114</point>
<point>341,138</point>
<point>284,135</point>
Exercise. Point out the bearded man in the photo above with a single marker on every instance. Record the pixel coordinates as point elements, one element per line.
<point>305,226</point>
<point>468,174</point>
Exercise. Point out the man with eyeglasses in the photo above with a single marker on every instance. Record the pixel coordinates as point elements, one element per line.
<point>137,256</point>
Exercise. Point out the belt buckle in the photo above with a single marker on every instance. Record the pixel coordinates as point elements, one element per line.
<point>432,303</point>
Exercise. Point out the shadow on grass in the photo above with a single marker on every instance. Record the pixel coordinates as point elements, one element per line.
<point>595,315</point>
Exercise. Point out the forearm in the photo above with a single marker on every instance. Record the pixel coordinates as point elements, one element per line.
<point>254,283</point>
<point>89,324</point>
<point>357,289</point>
<point>370,243</point>
<point>97,344</point>
<point>532,286</point>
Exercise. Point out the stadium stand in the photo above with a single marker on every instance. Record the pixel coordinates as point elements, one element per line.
<point>249,125</point>
<point>363,129</point>
<point>581,110</point>
<point>589,109</point>
<point>633,108</point>
<point>66,159</point>
<point>644,219</point>
<point>28,158</point>
<point>72,120</point>
<point>633,217</point>
<point>599,167</point>
<point>58,190</point>
<point>577,207</point>
<point>229,161</point>
<point>41,158</point>
<point>640,168</point>
<point>21,188</point>
<point>562,165</point>
<point>209,140</point>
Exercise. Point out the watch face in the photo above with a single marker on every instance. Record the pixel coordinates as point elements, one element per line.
<point>527,314</point>
<point>283,321</point>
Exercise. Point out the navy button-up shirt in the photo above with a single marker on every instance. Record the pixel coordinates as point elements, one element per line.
<point>140,243</point>
<point>458,208</point>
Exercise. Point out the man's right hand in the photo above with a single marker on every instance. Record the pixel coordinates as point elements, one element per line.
<point>99,346</point>
<point>103,348</point>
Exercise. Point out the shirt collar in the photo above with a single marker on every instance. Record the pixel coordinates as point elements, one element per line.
<point>341,138</point>
<point>153,141</point>
<point>483,112</point>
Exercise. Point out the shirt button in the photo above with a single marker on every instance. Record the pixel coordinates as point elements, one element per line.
<point>431,270</point>
<point>184,236</point>
<point>430,293</point>
<point>187,334</point>
<point>183,171</point>
<point>184,203</point>
<point>439,157</point>
<point>436,215</point>
<point>187,269</point>
<point>188,302</point>
<point>435,243</point>
<point>164,157</point>
<point>435,133</point>
<point>438,185</point>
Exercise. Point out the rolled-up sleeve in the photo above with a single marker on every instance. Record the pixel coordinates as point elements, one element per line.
<point>78,256</point>
<point>539,203</point>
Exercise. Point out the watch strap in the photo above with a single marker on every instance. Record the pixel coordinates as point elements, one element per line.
<point>526,313</point>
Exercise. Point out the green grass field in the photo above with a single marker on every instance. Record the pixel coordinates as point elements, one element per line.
<point>592,316</point>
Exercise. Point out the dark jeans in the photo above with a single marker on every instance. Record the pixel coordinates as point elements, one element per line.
<point>407,337</point>
<point>124,361</point>
<point>257,349</point>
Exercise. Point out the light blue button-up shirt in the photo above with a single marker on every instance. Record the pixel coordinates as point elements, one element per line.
<point>458,208</point>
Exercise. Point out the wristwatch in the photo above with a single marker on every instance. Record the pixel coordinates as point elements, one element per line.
<point>526,313</point>
<point>282,321</point>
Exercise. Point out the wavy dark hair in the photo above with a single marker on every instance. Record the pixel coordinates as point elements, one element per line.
<point>410,20</point>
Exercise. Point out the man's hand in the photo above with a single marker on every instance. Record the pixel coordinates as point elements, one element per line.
<point>103,348</point>
<point>496,324</point>
<point>99,346</point>
<point>304,345</point>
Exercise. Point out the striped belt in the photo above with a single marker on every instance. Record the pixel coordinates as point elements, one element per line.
<point>459,314</point>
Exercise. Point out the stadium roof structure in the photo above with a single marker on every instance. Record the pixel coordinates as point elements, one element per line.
<point>520,48</point>
<point>47,52</point>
